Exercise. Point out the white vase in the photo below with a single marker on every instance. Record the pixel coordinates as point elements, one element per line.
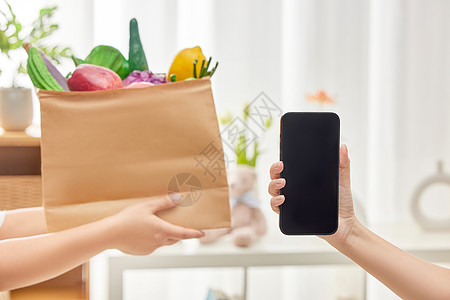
<point>16,108</point>
<point>424,221</point>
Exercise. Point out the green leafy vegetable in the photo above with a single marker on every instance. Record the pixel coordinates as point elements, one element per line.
<point>108,57</point>
<point>77,61</point>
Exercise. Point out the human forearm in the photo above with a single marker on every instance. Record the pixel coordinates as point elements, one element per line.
<point>135,230</point>
<point>406,275</point>
<point>26,261</point>
<point>23,222</point>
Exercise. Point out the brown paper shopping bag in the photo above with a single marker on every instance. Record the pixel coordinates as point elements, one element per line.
<point>105,150</point>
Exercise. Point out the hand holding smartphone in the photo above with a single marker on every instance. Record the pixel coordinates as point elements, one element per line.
<point>309,149</point>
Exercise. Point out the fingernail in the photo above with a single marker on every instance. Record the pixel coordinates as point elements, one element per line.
<point>280,181</point>
<point>279,199</point>
<point>175,197</point>
<point>279,164</point>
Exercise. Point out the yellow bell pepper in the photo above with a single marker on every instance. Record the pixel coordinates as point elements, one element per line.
<point>183,64</point>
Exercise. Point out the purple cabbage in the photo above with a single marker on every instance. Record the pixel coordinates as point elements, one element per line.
<point>145,76</point>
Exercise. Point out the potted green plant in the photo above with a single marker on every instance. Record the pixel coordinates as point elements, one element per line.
<point>16,109</point>
<point>240,146</point>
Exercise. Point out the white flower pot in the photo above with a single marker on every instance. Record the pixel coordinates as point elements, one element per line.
<point>16,108</point>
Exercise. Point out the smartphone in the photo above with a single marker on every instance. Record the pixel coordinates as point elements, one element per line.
<point>309,149</point>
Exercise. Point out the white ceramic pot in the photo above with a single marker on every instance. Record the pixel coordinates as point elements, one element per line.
<point>16,108</point>
<point>4,296</point>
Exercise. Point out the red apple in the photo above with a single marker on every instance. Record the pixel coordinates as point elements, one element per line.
<point>88,77</point>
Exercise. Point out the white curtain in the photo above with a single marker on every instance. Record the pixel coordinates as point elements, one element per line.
<point>386,63</point>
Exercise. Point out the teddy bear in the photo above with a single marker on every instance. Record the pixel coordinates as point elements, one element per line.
<point>247,219</point>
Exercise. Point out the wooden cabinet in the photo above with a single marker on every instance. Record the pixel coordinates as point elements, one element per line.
<point>20,187</point>
<point>20,169</point>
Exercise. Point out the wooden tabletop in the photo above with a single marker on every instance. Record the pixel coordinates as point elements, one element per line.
<point>18,139</point>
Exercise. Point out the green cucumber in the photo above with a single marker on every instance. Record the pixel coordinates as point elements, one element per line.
<point>136,54</point>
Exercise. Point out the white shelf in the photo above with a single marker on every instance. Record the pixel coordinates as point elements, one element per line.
<point>274,249</point>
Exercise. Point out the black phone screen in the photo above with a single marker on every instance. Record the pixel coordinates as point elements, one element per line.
<point>309,149</point>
